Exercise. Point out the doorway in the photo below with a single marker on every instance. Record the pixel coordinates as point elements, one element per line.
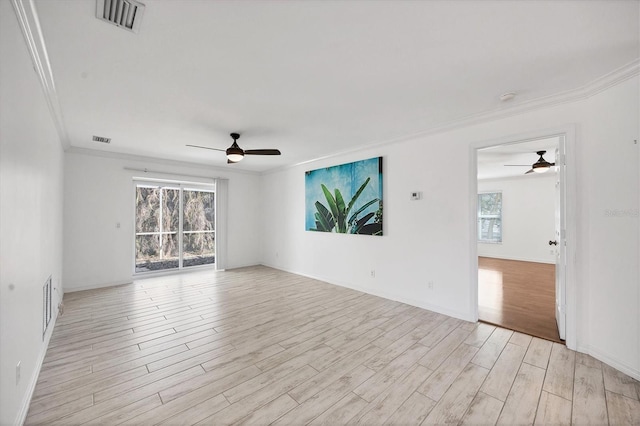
<point>519,220</point>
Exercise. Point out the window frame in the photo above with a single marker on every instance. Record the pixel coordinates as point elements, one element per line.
<point>181,186</point>
<point>480,217</point>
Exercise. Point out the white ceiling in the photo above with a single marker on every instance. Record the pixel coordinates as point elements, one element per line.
<point>315,78</point>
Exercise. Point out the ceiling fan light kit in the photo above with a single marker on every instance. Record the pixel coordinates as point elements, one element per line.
<point>234,157</point>
<point>542,165</point>
<point>234,152</point>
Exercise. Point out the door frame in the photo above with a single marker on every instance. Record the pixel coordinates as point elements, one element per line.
<point>181,186</point>
<point>568,132</point>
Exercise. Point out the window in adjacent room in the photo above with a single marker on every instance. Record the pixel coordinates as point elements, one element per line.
<point>490,217</point>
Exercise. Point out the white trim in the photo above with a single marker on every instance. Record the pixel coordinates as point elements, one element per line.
<point>21,417</point>
<point>610,360</point>
<point>155,160</point>
<point>222,223</point>
<point>389,296</point>
<point>39,56</point>
<point>30,25</point>
<point>145,275</point>
<point>180,186</point>
<point>174,184</point>
<point>592,88</point>
<point>96,286</point>
<point>520,259</point>
<point>550,174</point>
<point>173,271</point>
<point>145,170</point>
<point>571,237</point>
<point>569,132</point>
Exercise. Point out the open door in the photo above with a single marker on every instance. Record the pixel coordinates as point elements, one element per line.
<point>559,242</point>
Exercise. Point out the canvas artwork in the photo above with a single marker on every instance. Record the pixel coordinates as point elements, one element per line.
<point>345,199</point>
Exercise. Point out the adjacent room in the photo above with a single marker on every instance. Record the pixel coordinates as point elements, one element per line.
<point>312,212</point>
<point>518,203</point>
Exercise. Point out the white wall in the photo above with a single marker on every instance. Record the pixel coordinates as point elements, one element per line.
<point>430,239</point>
<point>31,163</point>
<point>99,194</point>
<point>528,218</point>
<point>609,180</point>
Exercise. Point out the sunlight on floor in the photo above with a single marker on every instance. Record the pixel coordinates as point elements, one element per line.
<point>490,286</point>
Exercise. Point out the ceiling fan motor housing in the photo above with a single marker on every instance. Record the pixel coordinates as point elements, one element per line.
<point>541,165</point>
<point>234,152</point>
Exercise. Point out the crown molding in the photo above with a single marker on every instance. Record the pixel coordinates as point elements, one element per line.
<point>586,91</point>
<point>581,93</point>
<point>154,160</point>
<point>30,25</point>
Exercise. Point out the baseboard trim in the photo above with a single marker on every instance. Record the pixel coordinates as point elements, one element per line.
<point>97,286</point>
<point>146,275</point>
<point>26,403</point>
<point>595,352</point>
<point>520,259</point>
<point>466,316</point>
<point>610,360</point>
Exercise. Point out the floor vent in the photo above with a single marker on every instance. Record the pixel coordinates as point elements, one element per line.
<point>126,14</point>
<point>101,139</point>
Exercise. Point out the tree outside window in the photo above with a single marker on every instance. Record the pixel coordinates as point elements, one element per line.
<point>490,217</point>
<point>175,227</point>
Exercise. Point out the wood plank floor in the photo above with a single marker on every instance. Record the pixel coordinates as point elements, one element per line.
<point>518,295</point>
<point>261,346</point>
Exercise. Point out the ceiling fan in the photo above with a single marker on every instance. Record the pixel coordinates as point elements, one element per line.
<point>539,166</point>
<point>235,153</point>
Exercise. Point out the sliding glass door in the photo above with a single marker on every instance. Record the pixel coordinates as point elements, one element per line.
<point>198,227</point>
<point>175,227</point>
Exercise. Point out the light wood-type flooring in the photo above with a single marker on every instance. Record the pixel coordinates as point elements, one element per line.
<point>518,295</point>
<point>261,346</point>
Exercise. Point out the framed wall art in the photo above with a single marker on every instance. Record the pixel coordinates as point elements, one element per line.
<point>345,199</point>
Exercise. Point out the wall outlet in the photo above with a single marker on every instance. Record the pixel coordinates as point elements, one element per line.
<point>430,285</point>
<point>373,273</point>
<point>18,372</point>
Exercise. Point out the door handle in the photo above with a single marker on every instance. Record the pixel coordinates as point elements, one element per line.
<point>553,243</point>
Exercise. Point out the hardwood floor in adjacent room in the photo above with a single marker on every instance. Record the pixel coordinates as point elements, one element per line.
<point>518,295</point>
<point>261,346</point>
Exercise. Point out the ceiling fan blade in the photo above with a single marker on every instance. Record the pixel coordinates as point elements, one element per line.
<point>262,152</point>
<point>529,171</point>
<point>206,147</point>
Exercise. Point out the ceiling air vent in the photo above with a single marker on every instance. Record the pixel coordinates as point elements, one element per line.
<point>101,139</point>
<point>125,14</point>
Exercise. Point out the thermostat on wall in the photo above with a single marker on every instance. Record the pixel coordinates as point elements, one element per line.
<point>416,195</point>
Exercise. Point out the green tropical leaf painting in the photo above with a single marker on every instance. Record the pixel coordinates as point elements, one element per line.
<point>345,199</point>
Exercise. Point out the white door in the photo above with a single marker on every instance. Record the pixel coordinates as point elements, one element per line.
<point>559,242</point>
